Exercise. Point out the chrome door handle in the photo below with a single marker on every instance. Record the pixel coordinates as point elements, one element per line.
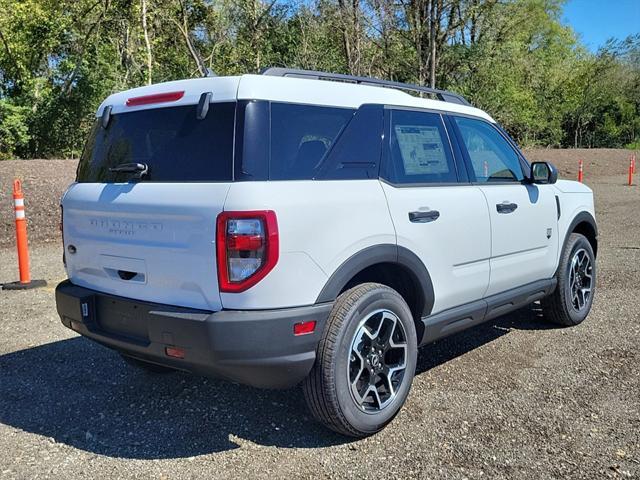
<point>424,216</point>
<point>506,207</point>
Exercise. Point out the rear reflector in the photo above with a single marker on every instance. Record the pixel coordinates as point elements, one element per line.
<point>155,98</point>
<point>304,328</point>
<point>174,352</point>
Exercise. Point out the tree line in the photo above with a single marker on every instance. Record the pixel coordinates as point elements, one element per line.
<point>514,58</point>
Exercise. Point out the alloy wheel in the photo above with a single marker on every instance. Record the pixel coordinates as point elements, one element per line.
<point>377,360</point>
<point>580,279</point>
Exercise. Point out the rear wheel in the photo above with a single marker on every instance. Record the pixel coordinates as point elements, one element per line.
<point>571,301</point>
<point>365,362</point>
<point>146,366</point>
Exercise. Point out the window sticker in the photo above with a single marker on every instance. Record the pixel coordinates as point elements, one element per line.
<point>421,149</point>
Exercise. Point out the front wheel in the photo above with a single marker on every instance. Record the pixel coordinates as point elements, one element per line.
<point>571,301</point>
<point>365,362</point>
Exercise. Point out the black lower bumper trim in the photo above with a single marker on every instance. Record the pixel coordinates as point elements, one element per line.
<point>256,348</point>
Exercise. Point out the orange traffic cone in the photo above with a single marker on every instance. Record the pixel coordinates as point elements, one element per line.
<point>580,171</point>
<point>22,244</point>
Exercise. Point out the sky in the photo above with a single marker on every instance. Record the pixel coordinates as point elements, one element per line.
<point>598,20</point>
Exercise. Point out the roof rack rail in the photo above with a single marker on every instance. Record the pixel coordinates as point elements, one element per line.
<point>443,95</point>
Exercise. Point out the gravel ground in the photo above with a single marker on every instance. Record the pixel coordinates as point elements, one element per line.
<point>514,398</point>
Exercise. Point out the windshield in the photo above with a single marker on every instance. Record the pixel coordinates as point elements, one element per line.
<point>171,142</point>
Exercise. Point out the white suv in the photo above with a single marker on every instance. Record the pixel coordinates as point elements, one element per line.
<point>300,226</point>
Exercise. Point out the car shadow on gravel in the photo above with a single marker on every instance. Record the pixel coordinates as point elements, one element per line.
<point>83,395</point>
<point>442,351</point>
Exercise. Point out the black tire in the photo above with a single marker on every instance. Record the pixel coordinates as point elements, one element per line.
<point>560,307</point>
<point>328,388</point>
<point>146,366</point>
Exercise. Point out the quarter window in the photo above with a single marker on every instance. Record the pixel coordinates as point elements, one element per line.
<point>356,153</point>
<point>301,136</point>
<point>418,149</point>
<point>492,158</point>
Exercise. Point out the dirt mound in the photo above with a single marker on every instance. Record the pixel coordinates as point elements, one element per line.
<point>43,182</point>
<point>598,162</point>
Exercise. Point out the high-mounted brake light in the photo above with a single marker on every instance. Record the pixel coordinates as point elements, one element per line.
<point>247,248</point>
<point>155,98</point>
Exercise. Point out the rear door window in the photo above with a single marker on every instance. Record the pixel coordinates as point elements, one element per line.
<point>172,142</point>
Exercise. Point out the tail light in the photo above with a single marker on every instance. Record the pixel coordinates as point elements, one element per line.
<point>246,247</point>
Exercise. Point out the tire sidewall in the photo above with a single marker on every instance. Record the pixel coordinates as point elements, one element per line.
<point>579,242</point>
<point>378,299</point>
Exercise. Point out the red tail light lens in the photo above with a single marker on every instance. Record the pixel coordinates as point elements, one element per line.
<point>246,247</point>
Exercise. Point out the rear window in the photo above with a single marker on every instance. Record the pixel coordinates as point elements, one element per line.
<point>172,142</point>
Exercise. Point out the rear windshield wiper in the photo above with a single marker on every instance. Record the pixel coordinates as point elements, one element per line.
<point>139,169</point>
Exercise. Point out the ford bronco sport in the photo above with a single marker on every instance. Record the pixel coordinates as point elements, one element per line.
<point>300,226</point>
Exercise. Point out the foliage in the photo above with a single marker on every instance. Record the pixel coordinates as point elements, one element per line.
<point>14,132</point>
<point>514,58</point>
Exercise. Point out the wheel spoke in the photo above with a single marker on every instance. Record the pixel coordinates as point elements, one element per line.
<point>580,299</point>
<point>374,392</point>
<point>585,292</point>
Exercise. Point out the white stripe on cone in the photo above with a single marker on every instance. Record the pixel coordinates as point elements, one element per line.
<point>19,202</point>
<point>19,214</point>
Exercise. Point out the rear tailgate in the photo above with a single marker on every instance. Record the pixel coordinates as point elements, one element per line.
<point>148,241</point>
<point>140,221</point>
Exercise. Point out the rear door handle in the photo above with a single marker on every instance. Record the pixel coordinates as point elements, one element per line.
<point>424,216</point>
<point>506,207</point>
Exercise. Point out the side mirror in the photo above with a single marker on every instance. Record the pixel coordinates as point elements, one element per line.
<point>543,173</point>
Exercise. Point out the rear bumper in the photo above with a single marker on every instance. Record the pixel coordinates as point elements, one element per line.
<point>253,347</point>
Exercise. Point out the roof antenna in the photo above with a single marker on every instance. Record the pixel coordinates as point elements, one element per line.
<point>202,67</point>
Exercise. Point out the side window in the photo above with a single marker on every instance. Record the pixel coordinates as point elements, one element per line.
<point>356,153</point>
<point>301,135</point>
<point>418,150</point>
<point>492,158</point>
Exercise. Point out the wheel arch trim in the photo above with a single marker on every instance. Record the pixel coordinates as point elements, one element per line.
<point>582,217</point>
<point>376,254</point>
